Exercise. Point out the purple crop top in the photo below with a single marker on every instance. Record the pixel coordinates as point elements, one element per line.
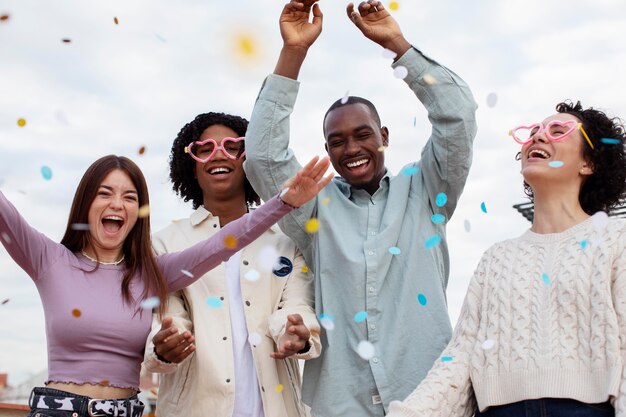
<point>93,336</point>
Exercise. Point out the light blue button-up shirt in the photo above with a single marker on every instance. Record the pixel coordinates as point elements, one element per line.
<point>402,295</point>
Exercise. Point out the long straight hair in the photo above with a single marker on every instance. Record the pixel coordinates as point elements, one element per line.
<point>137,247</point>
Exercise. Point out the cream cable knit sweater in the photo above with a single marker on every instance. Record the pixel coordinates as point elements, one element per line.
<point>544,316</point>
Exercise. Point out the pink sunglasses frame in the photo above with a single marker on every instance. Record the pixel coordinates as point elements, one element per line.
<point>572,125</point>
<point>215,149</point>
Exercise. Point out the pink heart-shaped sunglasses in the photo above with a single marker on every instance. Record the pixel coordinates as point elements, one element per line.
<point>204,150</point>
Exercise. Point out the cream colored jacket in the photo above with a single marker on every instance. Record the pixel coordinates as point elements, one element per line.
<point>203,384</point>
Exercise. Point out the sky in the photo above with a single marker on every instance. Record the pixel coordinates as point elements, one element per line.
<point>119,87</point>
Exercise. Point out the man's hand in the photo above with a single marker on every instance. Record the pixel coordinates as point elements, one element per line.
<point>307,182</point>
<point>172,346</point>
<point>375,22</point>
<point>295,28</point>
<point>294,339</point>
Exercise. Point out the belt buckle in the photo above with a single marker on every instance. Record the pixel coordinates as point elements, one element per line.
<point>92,412</point>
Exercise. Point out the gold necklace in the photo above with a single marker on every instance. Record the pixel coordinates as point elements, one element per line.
<point>102,263</point>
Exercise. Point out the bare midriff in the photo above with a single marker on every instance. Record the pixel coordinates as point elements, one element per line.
<point>104,392</point>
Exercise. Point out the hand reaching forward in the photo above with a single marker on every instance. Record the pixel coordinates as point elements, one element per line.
<point>170,345</point>
<point>294,339</point>
<point>307,182</point>
<point>295,28</point>
<point>375,22</point>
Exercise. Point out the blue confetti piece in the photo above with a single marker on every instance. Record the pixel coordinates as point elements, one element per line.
<point>446,358</point>
<point>441,199</point>
<point>432,241</point>
<point>545,278</point>
<point>360,316</point>
<point>483,207</point>
<point>46,173</point>
<point>555,164</point>
<point>408,171</point>
<point>438,218</point>
<point>610,141</point>
<point>421,298</point>
<point>214,302</point>
<point>583,244</point>
<point>394,250</point>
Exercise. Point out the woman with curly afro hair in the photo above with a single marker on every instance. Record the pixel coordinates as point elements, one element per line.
<point>542,331</point>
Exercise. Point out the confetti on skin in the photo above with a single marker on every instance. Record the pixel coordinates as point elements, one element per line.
<point>432,241</point>
<point>421,298</point>
<point>312,225</point>
<point>326,321</point>
<point>429,79</point>
<point>488,344</point>
<point>394,250</point>
<point>21,122</point>
<point>467,225</point>
<point>230,242</point>
<point>600,219</point>
<point>545,278</point>
<point>483,207</point>
<point>345,97</point>
<point>76,313</point>
<point>150,303</point>
<point>441,199</point>
<point>492,99</point>
<point>389,54</point>
<point>142,150</point>
<point>4,17</point>
<point>400,72</point>
<point>325,201</point>
<point>305,269</point>
<point>254,338</point>
<point>446,358</point>
<point>394,5</point>
<point>116,21</point>
<point>610,141</point>
<point>583,244</point>
<point>438,218</point>
<point>5,301</point>
<point>46,173</point>
<point>6,238</point>
<point>80,226</point>
<point>382,148</point>
<point>252,275</point>
<point>555,164</point>
<point>408,171</point>
<point>360,316</point>
<point>365,350</point>
<point>279,388</point>
<point>66,40</point>
<point>144,211</point>
<point>214,302</point>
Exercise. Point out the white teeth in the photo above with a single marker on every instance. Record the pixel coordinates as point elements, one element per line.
<point>357,163</point>
<point>538,153</point>
<point>116,218</point>
<point>219,170</point>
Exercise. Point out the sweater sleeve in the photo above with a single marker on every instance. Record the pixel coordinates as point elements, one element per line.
<point>183,268</point>
<point>447,389</point>
<point>30,249</point>
<point>618,272</point>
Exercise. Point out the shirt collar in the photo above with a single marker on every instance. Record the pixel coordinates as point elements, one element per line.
<point>348,190</point>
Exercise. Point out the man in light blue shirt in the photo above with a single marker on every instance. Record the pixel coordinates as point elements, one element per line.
<point>379,256</point>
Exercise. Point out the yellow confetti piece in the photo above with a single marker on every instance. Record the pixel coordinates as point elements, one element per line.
<point>279,388</point>
<point>429,79</point>
<point>246,45</point>
<point>312,225</point>
<point>142,150</point>
<point>230,242</point>
<point>21,122</point>
<point>305,269</point>
<point>117,22</point>
<point>144,211</point>
<point>76,313</point>
<point>394,5</point>
<point>325,201</point>
<point>382,149</point>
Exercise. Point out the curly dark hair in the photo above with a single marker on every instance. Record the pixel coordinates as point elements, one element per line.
<point>182,175</point>
<point>606,187</point>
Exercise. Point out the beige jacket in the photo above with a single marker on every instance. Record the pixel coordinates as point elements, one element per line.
<point>203,384</point>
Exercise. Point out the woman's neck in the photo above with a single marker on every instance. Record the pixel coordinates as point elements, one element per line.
<point>227,210</point>
<point>556,212</point>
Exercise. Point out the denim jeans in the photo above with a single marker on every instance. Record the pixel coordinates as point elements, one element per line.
<point>549,407</point>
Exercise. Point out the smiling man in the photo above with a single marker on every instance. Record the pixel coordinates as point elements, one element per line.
<point>381,264</point>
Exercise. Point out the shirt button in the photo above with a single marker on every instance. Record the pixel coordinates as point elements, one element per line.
<point>373,233</point>
<point>375,360</point>
<point>214,225</point>
<point>373,327</point>
<point>224,338</point>
<point>370,253</point>
<point>245,262</point>
<point>222,298</point>
<point>248,303</point>
<point>228,380</point>
<point>371,289</point>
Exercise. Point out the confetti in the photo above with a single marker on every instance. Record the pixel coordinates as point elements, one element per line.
<point>80,226</point>
<point>555,164</point>
<point>246,45</point>
<point>545,278</point>
<point>441,199</point>
<point>610,141</point>
<point>345,97</point>
<point>414,121</point>
<point>488,344</point>
<point>389,54</point>
<point>21,122</point>
<point>467,225</point>
<point>279,388</point>
<point>382,148</point>
<point>326,321</point>
<point>144,211</point>
<point>429,79</point>
<point>312,225</point>
<point>161,38</point>
<point>365,350</point>
<point>438,218</point>
<point>421,298</point>
<point>66,40</point>
<point>492,99</point>
<point>394,250</point>
<point>583,244</point>
<point>150,303</point>
<point>268,258</point>
<point>142,150</point>
<point>116,21</point>
<point>46,173</point>
<point>252,275</point>
<point>214,302</point>
<point>432,241</point>
<point>483,207</point>
<point>360,316</point>
<point>408,171</point>
<point>230,242</point>
<point>254,338</point>
<point>5,301</point>
<point>185,272</point>
<point>325,201</point>
<point>446,358</point>
<point>400,72</point>
<point>394,6</point>
<point>600,219</point>
<point>6,237</point>
<point>4,17</point>
<point>305,269</point>
<point>76,313</point>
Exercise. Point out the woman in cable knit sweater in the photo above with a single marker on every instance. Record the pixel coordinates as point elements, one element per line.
<point>543,326</point>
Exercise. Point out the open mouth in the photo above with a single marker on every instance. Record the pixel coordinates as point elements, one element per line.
<point>112,224</point>
<point>220,170</point>
<point>356,164</point>
<point>538,153</point>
